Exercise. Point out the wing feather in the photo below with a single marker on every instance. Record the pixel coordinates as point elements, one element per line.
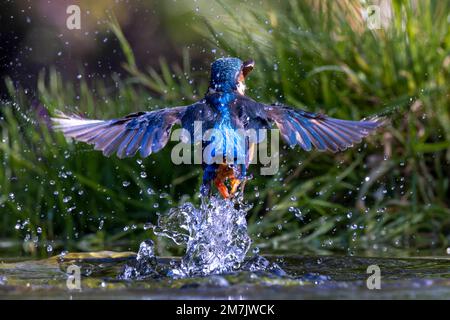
<point>307,129</point>
<point>147,132</point>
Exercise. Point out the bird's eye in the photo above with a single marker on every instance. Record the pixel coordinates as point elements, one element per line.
<point>247,67</point>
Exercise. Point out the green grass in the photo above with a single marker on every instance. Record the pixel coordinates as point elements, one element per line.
<point>316,57</point>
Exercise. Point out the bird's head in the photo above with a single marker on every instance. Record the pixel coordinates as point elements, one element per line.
<point>228,75</point>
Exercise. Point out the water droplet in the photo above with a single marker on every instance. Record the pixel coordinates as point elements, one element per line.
<point>148,226</point>
<point>126,183</point>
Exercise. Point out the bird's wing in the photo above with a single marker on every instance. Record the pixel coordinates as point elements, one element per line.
<point>307,129</point>
<point>200,111</point>
<point>146,132</point>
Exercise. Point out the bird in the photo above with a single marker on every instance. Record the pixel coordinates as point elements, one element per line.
<point>225,108</point>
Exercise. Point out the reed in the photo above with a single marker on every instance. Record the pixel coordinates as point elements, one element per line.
<point>389,194</point>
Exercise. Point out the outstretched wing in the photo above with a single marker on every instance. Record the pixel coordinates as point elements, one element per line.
<point>307,129</point>
<point>146,132</point>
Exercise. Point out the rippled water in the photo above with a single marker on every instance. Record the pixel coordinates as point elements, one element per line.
<point>307,277</point>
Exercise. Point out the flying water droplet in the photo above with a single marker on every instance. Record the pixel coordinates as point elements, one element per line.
<point>126,183</point>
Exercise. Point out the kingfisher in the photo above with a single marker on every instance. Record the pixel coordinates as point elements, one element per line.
<point>226,109</point>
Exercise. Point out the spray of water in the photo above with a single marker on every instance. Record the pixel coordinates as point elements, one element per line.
<point>215,236</point>
<point>216,242</point>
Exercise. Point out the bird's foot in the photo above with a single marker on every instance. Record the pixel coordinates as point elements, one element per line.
<point>234,186</point>
<point>222,188</point>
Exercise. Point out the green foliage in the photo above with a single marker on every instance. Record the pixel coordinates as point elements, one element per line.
<point>390,191</point>
<point>322,56</point>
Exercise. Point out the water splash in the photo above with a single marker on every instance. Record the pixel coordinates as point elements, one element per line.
<point>216,240</point>
<point>145,265</point>
<point>215,236</point>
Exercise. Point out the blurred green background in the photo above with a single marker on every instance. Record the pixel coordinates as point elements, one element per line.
<point>387,196</point>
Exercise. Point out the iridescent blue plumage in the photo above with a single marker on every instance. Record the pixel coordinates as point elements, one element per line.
<point>226,139</point>
<point>226,109</point>
<point>224,73</point>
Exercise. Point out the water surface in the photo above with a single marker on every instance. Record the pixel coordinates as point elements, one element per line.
<point>308,277</point>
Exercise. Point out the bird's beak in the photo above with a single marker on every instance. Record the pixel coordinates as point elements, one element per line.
<point>247,66</point>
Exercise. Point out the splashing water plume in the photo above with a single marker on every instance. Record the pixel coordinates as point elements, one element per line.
<point>216,242</point>
<point>145,264</point>
<point>215,236</point>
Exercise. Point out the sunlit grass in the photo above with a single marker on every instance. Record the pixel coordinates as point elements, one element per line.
<point>392,190</point>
